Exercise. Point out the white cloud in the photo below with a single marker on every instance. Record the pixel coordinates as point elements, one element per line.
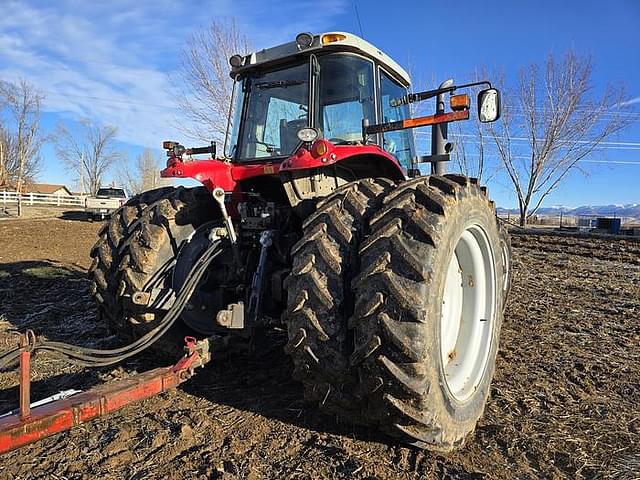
<point>111,61</point>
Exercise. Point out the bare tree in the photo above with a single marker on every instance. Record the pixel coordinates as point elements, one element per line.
<point>205,87</point>
<point>20,147</point>
<point>470,152</point>
<point>143,175</point>
<point>89,152</point>
<point>559,120</point>
<point>6,146</point>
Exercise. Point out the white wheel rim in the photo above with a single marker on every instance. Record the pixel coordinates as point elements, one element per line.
<point>468,310</point>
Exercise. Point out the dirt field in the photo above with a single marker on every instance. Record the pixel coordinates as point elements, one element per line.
<point>565,402</point>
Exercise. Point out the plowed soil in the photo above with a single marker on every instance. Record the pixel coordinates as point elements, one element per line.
<point>565,401</point>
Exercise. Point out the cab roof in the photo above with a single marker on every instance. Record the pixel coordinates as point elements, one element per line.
<point>346,42</point>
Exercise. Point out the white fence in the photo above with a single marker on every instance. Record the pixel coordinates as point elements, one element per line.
<point>43,199</point>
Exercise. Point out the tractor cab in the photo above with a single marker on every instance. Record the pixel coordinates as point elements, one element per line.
<point>330,83</point>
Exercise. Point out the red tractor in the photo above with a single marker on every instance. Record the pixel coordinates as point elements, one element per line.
<point>390,284</point>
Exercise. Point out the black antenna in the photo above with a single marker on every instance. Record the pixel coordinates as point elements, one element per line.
<point>355,7</point>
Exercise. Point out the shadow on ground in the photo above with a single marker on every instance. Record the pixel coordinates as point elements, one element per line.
<point>75,215</point>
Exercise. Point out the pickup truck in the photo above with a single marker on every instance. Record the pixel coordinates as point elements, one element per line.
<point>105,201</point>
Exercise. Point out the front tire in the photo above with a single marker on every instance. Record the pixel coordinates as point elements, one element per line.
<point>429,310</point>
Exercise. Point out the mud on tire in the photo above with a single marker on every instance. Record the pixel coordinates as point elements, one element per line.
<point>399,302</point>
<point>135,251</point>
<point>319,296</point>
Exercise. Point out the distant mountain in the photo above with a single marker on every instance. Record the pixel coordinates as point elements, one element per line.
<point>631,210</point>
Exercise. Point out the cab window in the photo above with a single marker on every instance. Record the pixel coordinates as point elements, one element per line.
<point>345,95</point>
<point>277,103</point>
<point>284,119</point>
<point>398,143</point>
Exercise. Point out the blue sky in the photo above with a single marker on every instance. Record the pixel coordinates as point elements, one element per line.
<point>112,61</point>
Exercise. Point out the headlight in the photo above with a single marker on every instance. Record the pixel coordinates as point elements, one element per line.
<point>307,134</point>
<point>235,61</point>
<point>179,150</point>
<point>304,40</point>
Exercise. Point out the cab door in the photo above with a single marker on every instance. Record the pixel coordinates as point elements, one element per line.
<point>399,143</point>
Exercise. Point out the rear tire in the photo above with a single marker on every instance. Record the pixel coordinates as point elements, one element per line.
<point>428,311</point>
<point>507,270</point>
<point>319,296</point>
<point>135,253</point>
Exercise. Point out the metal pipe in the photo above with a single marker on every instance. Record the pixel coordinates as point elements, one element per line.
<point>231,105</point>
<point>439,133</point>
<point>25,384</point>
<point>218,195</point>
<point>255,299</point>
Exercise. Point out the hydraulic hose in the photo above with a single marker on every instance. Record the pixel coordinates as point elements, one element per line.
<point>91,357</point>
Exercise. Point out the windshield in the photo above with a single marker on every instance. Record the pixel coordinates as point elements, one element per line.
<point>276,106</point>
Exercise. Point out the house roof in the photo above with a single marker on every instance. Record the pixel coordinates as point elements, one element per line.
<point>45,188</point>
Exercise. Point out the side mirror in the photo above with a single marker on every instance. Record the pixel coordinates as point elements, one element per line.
<point>489,105</point>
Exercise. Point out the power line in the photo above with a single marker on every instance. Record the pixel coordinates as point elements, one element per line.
<point>631,145</point>
<point>607,112</point>
<point>623,162</point>
<point>528,157</point>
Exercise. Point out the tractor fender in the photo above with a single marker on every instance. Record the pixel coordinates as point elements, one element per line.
<point>216,173</point>
<point>369,160</point>
<point>312,174</point>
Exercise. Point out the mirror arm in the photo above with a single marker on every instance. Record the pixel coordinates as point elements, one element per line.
<point>427,94</point>
<point>420,96</point>
<point>475,84</point>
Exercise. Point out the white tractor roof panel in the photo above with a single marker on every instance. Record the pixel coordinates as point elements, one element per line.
<point>350,43</point>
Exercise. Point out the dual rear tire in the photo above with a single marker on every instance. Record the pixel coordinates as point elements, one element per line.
<point>395,297</point>
<point>421,312</point>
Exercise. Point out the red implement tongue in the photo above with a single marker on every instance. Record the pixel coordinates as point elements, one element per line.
<point>29,425</point>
